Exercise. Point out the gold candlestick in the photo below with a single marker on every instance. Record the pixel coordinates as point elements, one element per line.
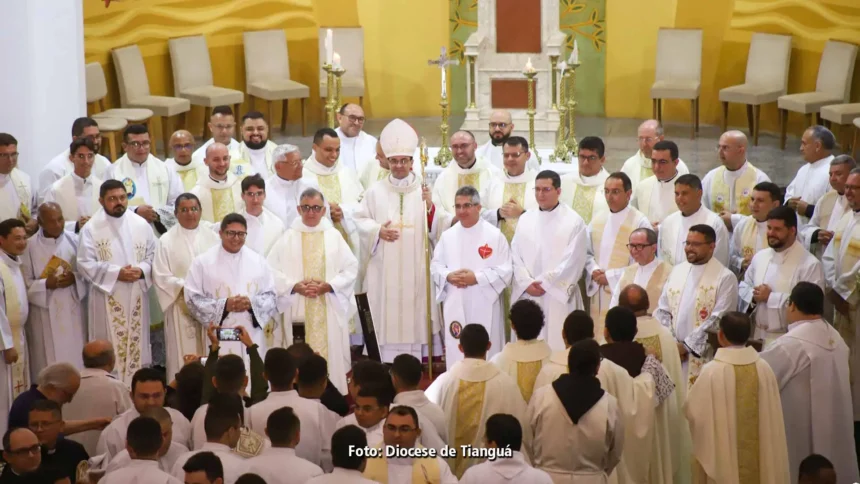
<point>338,73</point>
<point>553,62</point>
<point>572,144</point>
<point>561,153</point>
<point>444,155</point>
<point>530,112</point>
<point>329,97</point>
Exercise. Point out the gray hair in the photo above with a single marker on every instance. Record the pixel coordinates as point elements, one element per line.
<point>311,193</point>
<point>650,235</point>
<point>855,171</point>
<point>58,375</point>
<point>824,135</point>
<point>844,160</point>
<point>281,152</point>
<point>468,191</point>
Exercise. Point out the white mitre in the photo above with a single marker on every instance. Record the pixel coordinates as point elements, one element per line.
<point>398,139</point>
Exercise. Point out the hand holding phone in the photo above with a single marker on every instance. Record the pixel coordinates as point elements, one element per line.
<point>229,334</point>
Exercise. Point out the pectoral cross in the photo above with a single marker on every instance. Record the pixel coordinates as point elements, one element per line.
<point>19,386</point>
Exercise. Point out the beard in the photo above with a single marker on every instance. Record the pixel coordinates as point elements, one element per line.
<point>256,146</point>
<point>499,139</point>
<point>116,212</point>
<point>776,243</point>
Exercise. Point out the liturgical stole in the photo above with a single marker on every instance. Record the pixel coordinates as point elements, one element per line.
<point>24,194</point>
<point>313,264</point>
<point>783,283</point>
<point>331,189</point>
<point>655,283</point>
<point>516,191</point>
<point>156,175</point>
<point>749,238</point>
<point>13,313</point>
<point>743,187</point>
<point>825,208</point>
<point>424,470</point>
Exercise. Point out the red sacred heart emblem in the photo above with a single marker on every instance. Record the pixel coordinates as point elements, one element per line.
<point>485,251</point>
<point>703,313</point>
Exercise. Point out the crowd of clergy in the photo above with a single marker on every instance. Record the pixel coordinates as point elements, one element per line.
<point>646,325</point>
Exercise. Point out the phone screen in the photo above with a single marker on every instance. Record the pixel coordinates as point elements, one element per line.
<point>228,334</point>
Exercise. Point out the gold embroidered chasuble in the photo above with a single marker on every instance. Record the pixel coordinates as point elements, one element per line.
<point>720,192</point>
<point>424,470</point>
<point>219,199</point>
<point>585,193</point>
<point>655,285</point>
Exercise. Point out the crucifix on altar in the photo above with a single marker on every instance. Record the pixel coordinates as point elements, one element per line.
<point>444,155</point>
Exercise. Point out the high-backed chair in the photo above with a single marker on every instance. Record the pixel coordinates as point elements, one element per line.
<point>766,79</point>
<point>267,73</point>
<point>349,43</point>
<point>193,80</point>
<point>678,73</point>
<point>97,91</point>
<point>833,86</point>
<point>134,91</point>
<point>843,116</point>
<point>109,127</point>
<point>856,137</point>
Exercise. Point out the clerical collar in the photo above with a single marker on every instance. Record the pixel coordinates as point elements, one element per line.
<point>694,213</point>
<point>515,176</point>
<point>48,238</point>
<point>702,263</point>
<point>620,211</point>
<point>79,178</point>
<point>553,208</point>
<point>217,181</point>
<point>139,163</point>
<point>401,182</point>
<point>738,168</point>
<point>472,164</point>
<point>14,258</point>
<point>670,178</point>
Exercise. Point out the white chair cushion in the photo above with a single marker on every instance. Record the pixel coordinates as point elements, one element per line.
<point>751,94</point>
<point>129,114</point>
<point>278,89</point>
<point>675,90</point>
<point>164,106</point>
<point>212,96</point>
<point>806,102</point>
<point>349,87</point>
<point>857,122</point>
<point>109,124</point>
<point>841,113</point>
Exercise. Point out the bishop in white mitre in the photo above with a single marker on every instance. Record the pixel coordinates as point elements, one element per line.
<point>471,267</point>
<point>813,178</point>
<point>471,391</point>
<point>646,271</point>
<point>750,231</point>
<point>315,273</point>
<point>186,168</point>
<point>16,192</point>
<point>115,256</point>
<point>357,148</point>
<point>810,363</point>
<point>466,170</point>
<point>698,292</point>
<point>638,167</point>
<point>376,170</point>
<point>284,188</point>
<point>56,329</point>
<point>673,230</point>
<point>219,190</point>
<point>61,165</point>
<point>727,188</point>
<point>655,196</point>
<point>735,414</point>
<point>548,256</point>
<point>501,127</point>
<point>77,193</point>
<point>256,149</point>
<point>14,309</point>
<point>173,255</point>
<point>607,252</point>
<point>772,273</point>
<point>513,192</point>
<point>581,190</point>
<point>396,212</point>
<point>829,208</point>
<point>264,227</point>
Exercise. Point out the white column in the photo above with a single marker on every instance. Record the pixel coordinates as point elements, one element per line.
<point>42,84</point>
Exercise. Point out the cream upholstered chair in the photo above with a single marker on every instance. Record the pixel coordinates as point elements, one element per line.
<point>97,91</point>
<point>842,115</point>
<point>856,137</point>
<point>267,73</point>
<point>349,43</point>
<point>134,91</point>
<point>109,127</point>
<point>833,86</point>
<point>192,78</point>
<point>766,79</point>
<point>679,71</point>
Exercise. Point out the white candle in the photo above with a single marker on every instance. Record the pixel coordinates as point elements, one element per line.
<point>336,60</point>
<point>574,56</point>
<point>562,66</point>
<point>529,68</point>
<point>329,46</point>
<point>444,82</point>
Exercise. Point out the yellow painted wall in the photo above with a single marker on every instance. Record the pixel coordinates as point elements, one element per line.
<point>728,25</point>
<point>396,51</point>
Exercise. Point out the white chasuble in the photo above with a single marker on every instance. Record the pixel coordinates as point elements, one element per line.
<point>548,247</point>
<point>482,176</point>
<point>16,196</point>
<point>608,234</point>
<point>494,154</point>
<point>693,300</point>
<point>357,152</point>
<point>810,184</point>
<point>470,392</point>
<point>651,276</point>
<point>148,183</point>
<point>118,311</point>
<point>14,309</point>
<point>729,191</point>
<point>263,231</point>
<point>216,275</point>
<point>282,197</point>
<point>638,168</point>
<point>747,239</point>
<point>655,198</point>
<point>828,211</point>
<point>260,161</point>
<point>396,274</point>
<point>187,173</point>
<point>674,230</point>
<point>318,253</point>
<point>522,360</point>
<point>780,271</point>
<point>520,188</point>
<point>372,173</point>
<point>584,194</point>
<point>56,330</point>
<point>483,250</point>
<point>76,197</point>
<point>219,198</point>
<point>736,421</point>
<point>173,255</point>
<point>811,367</point>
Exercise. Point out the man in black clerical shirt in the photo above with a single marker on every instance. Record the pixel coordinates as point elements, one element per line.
<point>46,421</point>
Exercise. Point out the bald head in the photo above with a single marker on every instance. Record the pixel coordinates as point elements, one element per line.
<point>182,146</point>
<point>634,298</point>
<point>650,132</point>
<point>501,126</point>
<point>49,208</point>
<point>463,147</point>
<point>99,354</point>
<point>733,149</point>
<point>218,160</point>
<point>51,220</point>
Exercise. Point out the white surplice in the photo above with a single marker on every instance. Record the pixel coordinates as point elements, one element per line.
<point>426,410</point>
<point>584,194</point>
<point>467,425</point>
<point>357,151</point>
<point>282,197</point>
<point>263,231</point>
<point>396,274</point>
<point>493,154</point>
<point>61,165</point>
<point>272,463</point>
<point>165,462</point>
<point>233,464</point>
<point>173,255</point>
<point>810,184</point>
<point>810,363</point>
<point>501,471</point>
<point>14,378</point>
<point>828,211</point>
<point>482,249</point>
<point>638,168</point>
<point>520,188</point>
<point>730,443</point>
<point>674,230</point>
<point>16,195</point>
<point>76,197</point>
<point>730,180</point>
<point>549,247</point>
<point>260,160</point>
<point>113,437</point>
<point>747,239</point>
<point>522,360</point>
<point>481,175</point>
<point>656,198</point>
<point>187,173</point>
<point>140,472</point>
<point>372,173</point>
<point>780,271</point>
<point>218,198</point>
<point>100,395</point>
<point>320,253</point>
<point>56,329</point>
<point>118,311</point>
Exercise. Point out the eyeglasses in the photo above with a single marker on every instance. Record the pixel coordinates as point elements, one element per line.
<point>638,246</point>
<point>400,162</point>
<point>9,156</point>
<point>33,449</point>
<point>498,125</point>
<point>85,156</point>
<point>591,158</point>
<point>235,235</point>
<point>224,127</point>
<point>189,209</point>
<point>311,208</point>
<point>465,206</point>
<point>544,190</point>
<point>139,144</point>
<point>186,146</point>
<point>260,194</point>
<point>509,156</point>
<point>356,119</point>
<point>403,429</point>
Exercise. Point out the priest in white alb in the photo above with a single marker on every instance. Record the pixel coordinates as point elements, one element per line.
<point>647,270</point>
<point>115,256</point>
<point>655,196</point>
<point>523,359</point>
<point>501,128</point>
<point>813,178</point>
<point>471,267</point>
<point>727,188</point>
<point>473,390</point>
<point>357,148</point>
<point>173,255</point>
<point>608,235</point>
<point>219,190</point>
<point>582,189</point>
<point>399,213</point>
<point>513,192</point>
<point>17,197</point>
<point>264,227</point>
<point>256,148</point>
<point>698,292</point>
<point>548,256</point>
<point>56,329</point>
<point>284,188</point>
<point>186,168</point>
<point>376,170</point>
<point>735,414</point>
<point>810,363</point>
<point>767,283</point>
<point>829,209</point>
<point>638,167</point>
<point>222,125</point>
<point>750,231</point>
<point>61,165</point>
<point>77,193</point>
<point>673,230</point>
<point>315,273</point>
